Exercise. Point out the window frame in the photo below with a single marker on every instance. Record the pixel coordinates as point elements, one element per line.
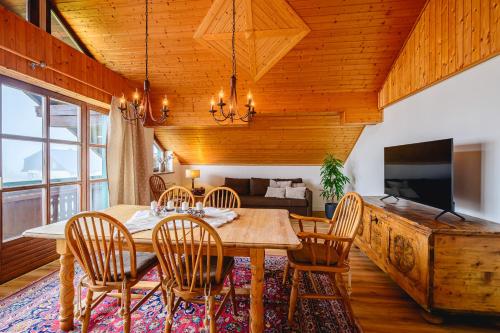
<point>84,145</point>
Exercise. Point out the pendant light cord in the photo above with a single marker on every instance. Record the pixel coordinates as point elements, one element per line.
<point>234,39</point>
<point>147,35</point>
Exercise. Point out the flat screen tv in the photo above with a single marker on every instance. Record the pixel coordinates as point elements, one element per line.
<point>421,172</point>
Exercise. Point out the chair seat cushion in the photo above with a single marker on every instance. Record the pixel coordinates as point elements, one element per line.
<point>227,266</point>
<point>144,261</point>
<point>305,256</point>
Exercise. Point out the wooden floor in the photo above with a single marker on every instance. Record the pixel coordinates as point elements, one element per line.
<point>378,303</point>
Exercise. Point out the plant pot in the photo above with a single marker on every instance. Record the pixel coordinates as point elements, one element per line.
<point>330,209</point>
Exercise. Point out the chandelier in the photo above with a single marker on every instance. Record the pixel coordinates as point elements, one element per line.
<point>232,114</point>
<point>142,110</point>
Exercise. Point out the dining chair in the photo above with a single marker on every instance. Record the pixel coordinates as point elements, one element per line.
<point>105,250</point>
<point>177,194</point>
<point>194,267</point>
<point>326,252</point>
<point>157,185</point>
<point>222,197</point>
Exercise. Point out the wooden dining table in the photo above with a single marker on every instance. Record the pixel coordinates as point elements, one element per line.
<point>254,231</point>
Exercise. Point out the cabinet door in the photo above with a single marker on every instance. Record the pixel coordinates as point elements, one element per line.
<point>408,260</point>
<point>378,235</point>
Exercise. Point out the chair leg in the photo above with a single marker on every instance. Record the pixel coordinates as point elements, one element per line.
<point>170,311</point>
<point>349,283</point>
<point>293,295</point>
<point>126,309</point>
<point>233,293</point>
<point>285,273</point>
<point>341,288</point>
<point>87,310</point>
<point>163,292</point>
<point>211,314</point>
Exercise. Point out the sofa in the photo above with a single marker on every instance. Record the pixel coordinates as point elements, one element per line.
<point>252,195</point>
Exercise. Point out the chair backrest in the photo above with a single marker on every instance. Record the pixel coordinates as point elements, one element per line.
<point>157,185</point>
<point>177,194</point>
<point>100,242</point>
<point>222,197</point>
<point>346,221</point>
<point>190,252</point>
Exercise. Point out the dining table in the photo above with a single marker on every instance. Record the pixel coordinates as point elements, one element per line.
<point>249,235</point>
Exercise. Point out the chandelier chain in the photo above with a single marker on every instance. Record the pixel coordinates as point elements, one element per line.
<point>147,37</point>
<point>234,39</point>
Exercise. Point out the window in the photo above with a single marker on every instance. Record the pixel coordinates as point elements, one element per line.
<point>59,30</point>
<point>158,155</point>
<point>50,169</point>
<point>98,177</point>
<point>163,160</point>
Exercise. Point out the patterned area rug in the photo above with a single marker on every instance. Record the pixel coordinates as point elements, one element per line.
<point>35,308</point>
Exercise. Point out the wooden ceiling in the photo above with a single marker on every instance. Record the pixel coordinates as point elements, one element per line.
<point>330,78</point>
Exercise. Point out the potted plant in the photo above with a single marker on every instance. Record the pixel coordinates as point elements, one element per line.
<point>333,182</point>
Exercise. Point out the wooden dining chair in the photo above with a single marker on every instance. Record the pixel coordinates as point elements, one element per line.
<point>192,260</point>
<point>177,194</point>
<point>157,185</point>
<point>326,252</point>
<point>222,197</point>
<point>105,250</point>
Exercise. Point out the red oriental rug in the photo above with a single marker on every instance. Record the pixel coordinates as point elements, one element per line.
<point>35,308</point>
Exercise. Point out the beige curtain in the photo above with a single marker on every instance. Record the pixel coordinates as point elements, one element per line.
<point>129,162</point>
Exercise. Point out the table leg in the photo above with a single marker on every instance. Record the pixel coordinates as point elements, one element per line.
<point>67,289</point>
<point>257,291</point>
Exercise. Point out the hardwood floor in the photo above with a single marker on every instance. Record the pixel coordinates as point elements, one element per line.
<point>378,303</point>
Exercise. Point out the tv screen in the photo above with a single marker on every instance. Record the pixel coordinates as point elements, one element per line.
<point>421,172</point>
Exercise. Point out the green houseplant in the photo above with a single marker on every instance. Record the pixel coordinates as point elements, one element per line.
<point>333,182</point>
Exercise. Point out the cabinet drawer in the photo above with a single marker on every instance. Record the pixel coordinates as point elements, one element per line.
<point>408,260</point>
<point>378,235</point>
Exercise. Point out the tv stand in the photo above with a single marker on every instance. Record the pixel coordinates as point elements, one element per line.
<point>451,212</point>
<point>389,196</point>
<point>447,265</point>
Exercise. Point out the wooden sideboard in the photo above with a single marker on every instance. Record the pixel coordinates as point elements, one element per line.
<point>445,265</point>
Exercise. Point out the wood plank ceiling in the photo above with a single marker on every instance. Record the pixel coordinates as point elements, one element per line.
<point>315,100</point>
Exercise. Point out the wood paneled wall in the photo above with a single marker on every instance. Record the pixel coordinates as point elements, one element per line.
<point>450,36</point>
<point>68,69</point>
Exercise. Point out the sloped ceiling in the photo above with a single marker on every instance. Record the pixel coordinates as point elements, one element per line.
<point>327,82</point>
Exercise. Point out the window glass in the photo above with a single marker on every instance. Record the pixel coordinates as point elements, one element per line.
<point>18,7</point>
<point>22,210</point>
<point>64,202</point>
<point>98,128</point>
<point>170,161</point>
<point>64,162</point>
<point>22,112</point>
<point>97,164</point>
<point>157,157</point>
<point>58,30</point>
<point>64,121</point>
<point>99,196</point>
<point>22,162</point>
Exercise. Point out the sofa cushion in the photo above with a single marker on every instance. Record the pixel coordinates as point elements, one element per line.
<point>295,192</point>
<point>257,201</point>
<point>240,185</point>
<point>293,180</point>
<point>282,184</point>
<point>275,192</point>
<point>258,186</point>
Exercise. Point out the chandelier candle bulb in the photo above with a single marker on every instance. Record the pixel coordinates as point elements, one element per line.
<point>136,97</point>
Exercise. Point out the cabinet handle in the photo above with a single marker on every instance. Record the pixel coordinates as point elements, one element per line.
<point>373,219</point>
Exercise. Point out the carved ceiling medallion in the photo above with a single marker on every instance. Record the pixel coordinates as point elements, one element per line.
<point>266,30</point>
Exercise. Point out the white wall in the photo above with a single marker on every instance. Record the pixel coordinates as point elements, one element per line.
<point>213,175</point>
<point>466,108</point>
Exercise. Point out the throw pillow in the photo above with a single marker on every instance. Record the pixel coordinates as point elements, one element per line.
<point>276,184</point>
<point>298,184</point>
<point>275,192</point>
<point>295,192</point>
<point>258,186</point>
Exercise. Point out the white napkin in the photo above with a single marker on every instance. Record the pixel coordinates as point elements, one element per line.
<point>145,220</point>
